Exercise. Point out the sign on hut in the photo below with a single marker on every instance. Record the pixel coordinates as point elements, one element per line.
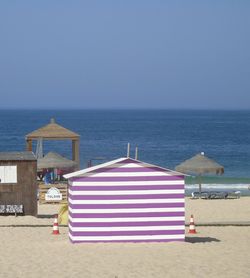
<point>126,200</point>
<point>18,184</point>
<point>53,194</point>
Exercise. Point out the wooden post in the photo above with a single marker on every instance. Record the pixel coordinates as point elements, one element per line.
<point>75,152</point>
<point>29,145</point>
<point>128,150</point>
<point>199,179</point>
<point>136,153</point>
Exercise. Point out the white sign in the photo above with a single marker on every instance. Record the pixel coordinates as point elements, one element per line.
<point>53,194</point>
<point>8,174</point>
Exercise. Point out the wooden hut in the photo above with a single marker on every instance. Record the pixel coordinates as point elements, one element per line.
<point>18,183</point>
<point>54,131</point>
<point>126,200</point>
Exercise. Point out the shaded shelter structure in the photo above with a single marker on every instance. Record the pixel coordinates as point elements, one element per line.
<point>55,160</point>
<point>126,200</point>
<point>199,165</point>
<point>54,131</point>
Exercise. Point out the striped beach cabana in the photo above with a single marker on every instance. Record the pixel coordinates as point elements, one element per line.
<point>126,200</point>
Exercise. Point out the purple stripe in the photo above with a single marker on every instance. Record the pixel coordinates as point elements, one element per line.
<point>130,187</point>
<point>142,178</point>
<point>128,233</point>
<point>129,241</point>
<point>125,197</point>
<point>126,214</point>
<point>130,170</point>
<point>120,206</point>
<point>127,224</point>
<point>129,160</point>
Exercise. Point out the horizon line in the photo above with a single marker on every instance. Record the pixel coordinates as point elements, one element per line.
<point>122,108</point>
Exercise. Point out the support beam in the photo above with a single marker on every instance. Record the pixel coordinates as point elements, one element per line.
<point>136,153</point>
<point>29,145</point>
<point>128,150</point>
<point>75,152</point>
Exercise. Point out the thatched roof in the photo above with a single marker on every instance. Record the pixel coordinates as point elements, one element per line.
<point>55,160</point>
<point>200,164</point>
<point>52,131</point>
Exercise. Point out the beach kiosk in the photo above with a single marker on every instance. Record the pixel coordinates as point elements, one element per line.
<point>126,200</point>
<point>54,131</point>
<point>18,183</point>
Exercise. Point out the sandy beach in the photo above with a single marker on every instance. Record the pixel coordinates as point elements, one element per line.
<point>213,252</point>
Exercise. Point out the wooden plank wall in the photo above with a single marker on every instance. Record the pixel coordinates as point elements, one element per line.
<point>24,192</point>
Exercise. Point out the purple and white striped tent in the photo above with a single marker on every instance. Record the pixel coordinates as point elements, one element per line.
<point>126,200</point>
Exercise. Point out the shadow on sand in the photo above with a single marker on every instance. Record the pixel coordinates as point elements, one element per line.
<point>201,239</point>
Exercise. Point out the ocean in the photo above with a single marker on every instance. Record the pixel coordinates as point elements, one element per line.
<point>164,137</point>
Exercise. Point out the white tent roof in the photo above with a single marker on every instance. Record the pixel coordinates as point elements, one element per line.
<point>116,163</point>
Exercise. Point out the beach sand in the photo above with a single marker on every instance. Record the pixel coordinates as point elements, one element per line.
<point>212,252</point>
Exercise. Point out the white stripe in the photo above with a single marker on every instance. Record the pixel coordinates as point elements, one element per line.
<point>126,219</point>
<point>124,183</point>
<point>129,165</point>
<point>129,201</point>
<point>126,192</point>
<point>125,210</point>
<point>134,228</point>
<point>70,182</point>
<point>130,174</point>
<point>107,238</point>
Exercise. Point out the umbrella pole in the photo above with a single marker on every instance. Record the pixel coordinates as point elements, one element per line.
<point>199,179</point>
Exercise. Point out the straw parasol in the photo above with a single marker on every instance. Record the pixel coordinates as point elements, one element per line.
<point>199,165</point>
<point>55,160</point>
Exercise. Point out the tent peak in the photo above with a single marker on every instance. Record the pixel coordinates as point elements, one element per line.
<point>52,131</point>
<point>115,163</point>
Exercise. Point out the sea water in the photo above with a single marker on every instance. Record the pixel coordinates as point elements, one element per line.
<point>164,137</point>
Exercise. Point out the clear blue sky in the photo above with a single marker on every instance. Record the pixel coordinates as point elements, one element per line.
<point>125,54</point>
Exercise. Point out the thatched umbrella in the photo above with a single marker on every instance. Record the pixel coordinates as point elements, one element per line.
<point>56,161</point>
<point>199,165</point>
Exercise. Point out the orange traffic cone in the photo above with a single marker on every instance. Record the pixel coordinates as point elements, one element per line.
<point>192,226</point>
<point>55,226</point>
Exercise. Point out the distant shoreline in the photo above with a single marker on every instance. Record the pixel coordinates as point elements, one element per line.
<point>123,109</point>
